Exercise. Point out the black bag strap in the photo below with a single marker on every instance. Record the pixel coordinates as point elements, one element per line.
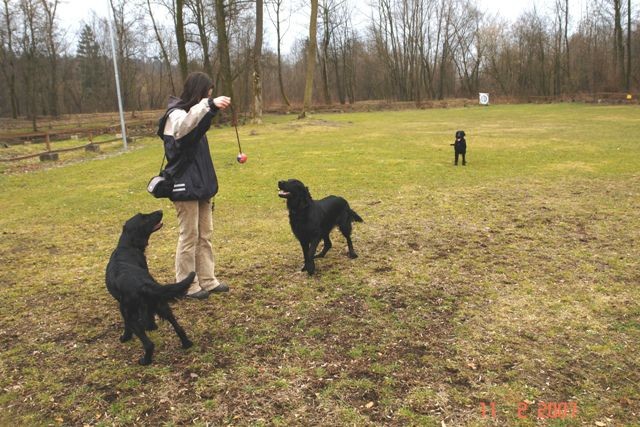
<point>164,156</point>
<point>163,120</point>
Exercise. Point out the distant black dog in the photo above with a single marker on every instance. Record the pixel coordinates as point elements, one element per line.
<point>312,221</point>
<point>460,147</point>
<point>139,295</point>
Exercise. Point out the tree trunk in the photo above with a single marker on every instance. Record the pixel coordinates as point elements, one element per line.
<point>257,67</point>
<point>336,68</point>
<point>223,53</point>
<point>30,58</point>
<point>619,46</point>
<point>311,60</point>
<point>50,10</point>
<point>277,4</point>
<point>566,47</point>
<point>324,57</point>
<point>8,61</point>
<point>628,76</point>
<point>197,7</point>
<point>181,41</point>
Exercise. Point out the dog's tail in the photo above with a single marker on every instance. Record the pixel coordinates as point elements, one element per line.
<point>170,292</point>
<point>355,216</point>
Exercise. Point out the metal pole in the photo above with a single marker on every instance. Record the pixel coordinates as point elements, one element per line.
<point>115,69</point>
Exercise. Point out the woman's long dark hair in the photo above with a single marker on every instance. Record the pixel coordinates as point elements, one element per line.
<point>195,88</point>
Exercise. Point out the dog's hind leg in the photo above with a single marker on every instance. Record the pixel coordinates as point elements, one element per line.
<point>165,312</point>
<point>346,228</point>
<point>150,319</point>
<point>325,248</point>
<point>138,329</point>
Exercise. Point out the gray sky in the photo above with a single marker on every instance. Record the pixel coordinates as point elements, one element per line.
<point>72,12</point>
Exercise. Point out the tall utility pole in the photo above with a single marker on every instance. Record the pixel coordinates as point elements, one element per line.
<point>115,69</point>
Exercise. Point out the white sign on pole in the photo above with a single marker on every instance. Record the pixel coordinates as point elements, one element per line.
<point>484,99</point>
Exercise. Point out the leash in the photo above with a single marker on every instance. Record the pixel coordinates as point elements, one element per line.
<point>234,119</point>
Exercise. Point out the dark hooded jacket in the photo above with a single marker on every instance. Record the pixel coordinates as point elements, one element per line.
<point>189,163</point>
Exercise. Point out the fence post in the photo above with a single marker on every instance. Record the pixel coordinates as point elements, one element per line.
<point>91,146</point>
<point>48,156</point>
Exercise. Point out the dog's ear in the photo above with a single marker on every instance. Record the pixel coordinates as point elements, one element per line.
<point>305,198</point>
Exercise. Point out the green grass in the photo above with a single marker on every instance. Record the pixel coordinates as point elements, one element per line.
<point>514,278</point>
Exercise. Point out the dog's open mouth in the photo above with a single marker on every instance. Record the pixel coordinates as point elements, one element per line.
<point>283,194</point>
<point>157,227</point>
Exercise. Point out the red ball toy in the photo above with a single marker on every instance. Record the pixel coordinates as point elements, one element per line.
<point>241,158</point>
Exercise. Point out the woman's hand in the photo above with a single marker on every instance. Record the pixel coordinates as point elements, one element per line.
<point>222,102</point>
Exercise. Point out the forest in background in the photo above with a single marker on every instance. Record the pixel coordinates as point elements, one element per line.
<point>409,50</point>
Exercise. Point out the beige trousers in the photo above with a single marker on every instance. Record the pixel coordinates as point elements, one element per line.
<point>194,251</point>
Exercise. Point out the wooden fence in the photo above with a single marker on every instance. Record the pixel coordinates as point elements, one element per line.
<point>144,126</point>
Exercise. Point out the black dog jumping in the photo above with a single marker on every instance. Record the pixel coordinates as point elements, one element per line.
<point>140,296</point>
<point>312,221</point>
<point>460,147</point>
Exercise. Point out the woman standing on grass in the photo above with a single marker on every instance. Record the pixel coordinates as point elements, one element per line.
<point>183,129</point>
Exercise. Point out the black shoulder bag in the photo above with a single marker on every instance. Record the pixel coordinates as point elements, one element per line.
<point>159,186</point>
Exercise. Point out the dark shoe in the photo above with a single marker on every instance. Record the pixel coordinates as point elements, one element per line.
<point>201,294</point>
<point>219,289</point>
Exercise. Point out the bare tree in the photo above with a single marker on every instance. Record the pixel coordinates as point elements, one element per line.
<point>129,46</point>
<point>327,13</point>
<point>161,44</point>
<point>469,49</point>
<point>446,16</point>
<point>8,55</point>
<point>51,43</point>
<point>277,8</point>
<point>198,10</point>
<point>29,42</point>
<point>618,45</point>
<point>223,54</point>
<point>257,66</point>
<point>628,76</point>
<point>342,54</point>
<point>311,59</point>
<point>566,45</point>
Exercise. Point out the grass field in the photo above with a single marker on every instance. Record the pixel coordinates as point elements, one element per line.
<point>511,282</point>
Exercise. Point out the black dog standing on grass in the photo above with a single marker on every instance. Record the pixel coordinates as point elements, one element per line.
<point>139,295</point>
<point>312,221</point>
<point>460,147</point>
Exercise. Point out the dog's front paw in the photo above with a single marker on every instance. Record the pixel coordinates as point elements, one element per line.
<point>304,268</point>
<point>187,344</point>
<point>353,255</point>
<point>125,337</point>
